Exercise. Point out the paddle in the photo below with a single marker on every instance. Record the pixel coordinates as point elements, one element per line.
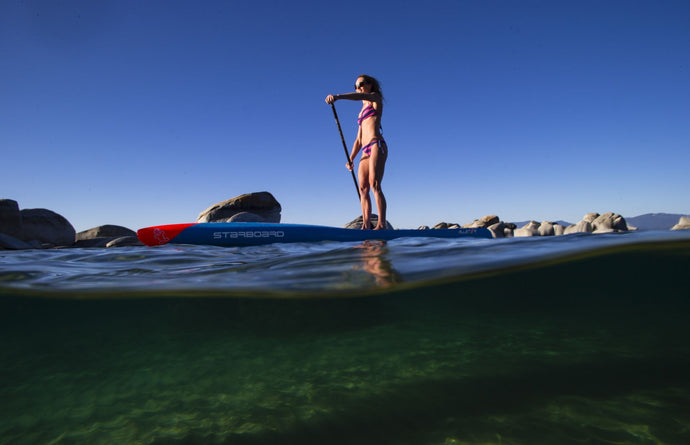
<point>347,155</point>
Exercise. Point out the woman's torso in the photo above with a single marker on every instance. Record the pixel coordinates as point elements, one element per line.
<point>369,120</point>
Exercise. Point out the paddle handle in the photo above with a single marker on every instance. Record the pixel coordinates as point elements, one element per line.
<point>347,155</point>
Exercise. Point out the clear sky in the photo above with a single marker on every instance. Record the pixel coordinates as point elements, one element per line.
<point>140,113</point>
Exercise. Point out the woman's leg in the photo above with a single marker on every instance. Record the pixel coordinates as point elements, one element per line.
<point>377,166</point>
<point>363,176</point>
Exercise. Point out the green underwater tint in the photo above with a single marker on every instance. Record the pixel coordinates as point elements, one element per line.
<point>588,348</point>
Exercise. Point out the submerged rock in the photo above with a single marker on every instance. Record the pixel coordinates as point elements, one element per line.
<point>12,243</point>
<point>125,241</point>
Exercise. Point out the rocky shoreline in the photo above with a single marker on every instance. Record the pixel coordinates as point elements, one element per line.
<point>43,228</point>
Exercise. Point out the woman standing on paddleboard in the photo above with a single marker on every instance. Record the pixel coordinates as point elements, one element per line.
<point>373,147</point>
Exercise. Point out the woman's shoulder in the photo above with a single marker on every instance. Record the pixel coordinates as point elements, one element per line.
<point>375,100</point>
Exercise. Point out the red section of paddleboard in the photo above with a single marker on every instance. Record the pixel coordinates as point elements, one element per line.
<point>159,235</point>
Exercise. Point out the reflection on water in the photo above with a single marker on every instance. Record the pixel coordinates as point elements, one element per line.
<point>373,255</point>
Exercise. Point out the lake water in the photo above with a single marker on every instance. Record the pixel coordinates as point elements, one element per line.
<point>579,339</point>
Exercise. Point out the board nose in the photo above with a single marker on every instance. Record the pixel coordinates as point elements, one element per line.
<point>159,235</point>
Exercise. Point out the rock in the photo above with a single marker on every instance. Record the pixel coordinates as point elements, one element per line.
<point>619,223</point>
<point>10,218</point>
<point>498,230</point>
<point>102,235</point>
<point>529,229</point>
<point>489,220</point>
<point>125,241</point>
<point>261,204</point>
<point>93,242</point>
<point>609,222</point>
<point>105,231</point>
<point>441,225</point>
<point>36,244</point>
<point>357,222</point>
<point>558,229</point>
<point>581,227</point>
<point>423,228</point>
<point>483,223</point>
<point>47,227</point>
<point>247,217</point>
<point>683,223</point>
<point>546,228</point>
<point>12,243</point>
<point>590,217</point>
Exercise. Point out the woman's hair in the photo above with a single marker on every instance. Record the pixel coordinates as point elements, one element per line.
<point>375,87</point>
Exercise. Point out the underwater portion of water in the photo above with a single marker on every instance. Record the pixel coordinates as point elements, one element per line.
<point>565,340</point>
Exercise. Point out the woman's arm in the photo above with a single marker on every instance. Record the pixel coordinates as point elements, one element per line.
<point>372,97</point>
<point>356,146</point>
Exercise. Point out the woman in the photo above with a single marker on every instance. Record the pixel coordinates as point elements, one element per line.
<point>370,142</point>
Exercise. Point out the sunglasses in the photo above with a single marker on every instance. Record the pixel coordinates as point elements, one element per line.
<point>361,84</point>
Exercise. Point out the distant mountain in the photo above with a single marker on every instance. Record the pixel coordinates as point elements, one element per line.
<point>654,221</point>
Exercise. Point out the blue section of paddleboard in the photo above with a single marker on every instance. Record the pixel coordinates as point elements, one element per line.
<point>250,234</point>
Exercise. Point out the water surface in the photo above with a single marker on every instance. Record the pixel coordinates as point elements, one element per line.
<point>567,340</point>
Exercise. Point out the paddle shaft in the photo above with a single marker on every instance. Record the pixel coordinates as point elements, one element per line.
<point>347,155</point>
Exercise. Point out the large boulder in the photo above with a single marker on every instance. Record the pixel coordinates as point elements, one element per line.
<point>529,229</point>
<point>47,227</point>
<point>583,226</point>
<point>105,231</point>
<point>546,228</point>
<point>484,222</point>
<point>102,235</point>
<point>683,223</point>
<point>357,222</point>
<point>500,230</point>
<point>250,207</point>
<point>609,222</point>
<point>10,218</point>
<point>590,217</point>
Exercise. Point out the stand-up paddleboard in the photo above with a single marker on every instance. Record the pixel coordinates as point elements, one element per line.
<point>250,234</point>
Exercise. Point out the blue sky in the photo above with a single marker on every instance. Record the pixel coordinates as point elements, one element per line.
<point>140,113</point>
